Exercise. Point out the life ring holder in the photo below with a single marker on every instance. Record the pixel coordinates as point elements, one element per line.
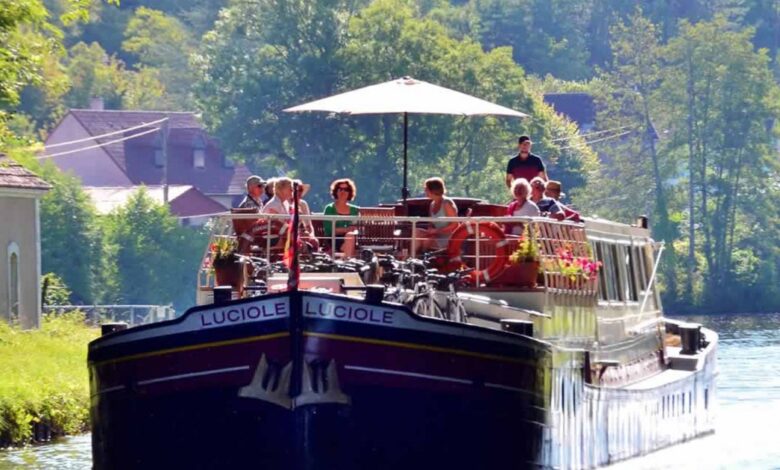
<point>488,230</point>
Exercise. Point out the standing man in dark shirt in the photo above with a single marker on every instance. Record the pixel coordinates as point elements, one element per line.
<point>254,191</point>
<point>524,164</point>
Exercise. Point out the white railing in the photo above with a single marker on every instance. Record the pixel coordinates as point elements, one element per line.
<point>133,315</point>
<point>548,234</point>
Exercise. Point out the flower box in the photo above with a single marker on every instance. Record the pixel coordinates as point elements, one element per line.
<point>228,272</point>
<point>522,274</point>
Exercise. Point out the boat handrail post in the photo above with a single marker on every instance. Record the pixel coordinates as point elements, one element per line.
<point>476,254</point>
<point>414,239</point>
<point>268,236</point>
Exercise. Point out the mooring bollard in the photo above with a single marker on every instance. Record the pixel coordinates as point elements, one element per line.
<point>690,334</point>
<point>222,294</point>
<point>520,327</point>
<point>108,328</point>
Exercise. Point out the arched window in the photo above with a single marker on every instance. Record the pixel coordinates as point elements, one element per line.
<point>13,279</point>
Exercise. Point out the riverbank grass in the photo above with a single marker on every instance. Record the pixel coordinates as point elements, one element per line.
<point>44,384</point>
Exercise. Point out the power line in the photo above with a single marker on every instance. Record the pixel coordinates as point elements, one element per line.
<point>589,134</point>
<point>99,145</point>
<point>120,131</point>
<point>599,140</point>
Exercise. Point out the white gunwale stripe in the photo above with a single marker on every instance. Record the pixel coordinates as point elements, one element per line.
<point>111,389</point>
<point>409,374</point>
<point>507,387</point>
<point>192,374</point>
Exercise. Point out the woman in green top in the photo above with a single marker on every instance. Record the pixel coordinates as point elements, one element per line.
<point>342,190</point>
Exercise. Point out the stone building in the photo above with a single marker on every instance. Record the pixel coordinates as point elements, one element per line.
<point>20,244</point>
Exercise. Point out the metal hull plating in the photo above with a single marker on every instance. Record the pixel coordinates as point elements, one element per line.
<point>350,385</point>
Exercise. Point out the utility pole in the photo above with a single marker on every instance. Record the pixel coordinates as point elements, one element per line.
<point>164,140</point>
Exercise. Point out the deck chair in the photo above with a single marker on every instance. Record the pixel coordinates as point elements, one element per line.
<point>380,233</point>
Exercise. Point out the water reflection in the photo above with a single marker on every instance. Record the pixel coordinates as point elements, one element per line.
<point>70,453</point>
<point>748,400</point>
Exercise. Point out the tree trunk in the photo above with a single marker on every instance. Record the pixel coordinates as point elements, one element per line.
<point>691,182</point>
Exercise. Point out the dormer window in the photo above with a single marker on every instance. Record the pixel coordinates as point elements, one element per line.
<point>159,155</point>
<point>159,158</point>
<point>198,152</point>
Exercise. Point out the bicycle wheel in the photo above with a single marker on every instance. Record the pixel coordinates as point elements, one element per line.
<point>427,307</point>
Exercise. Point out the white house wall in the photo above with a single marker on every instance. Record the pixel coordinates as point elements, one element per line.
<point>22,232</point>
<point>94,166</point>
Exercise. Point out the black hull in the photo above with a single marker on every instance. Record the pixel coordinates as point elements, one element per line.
<point>389,430</point>
<point>404,392</point>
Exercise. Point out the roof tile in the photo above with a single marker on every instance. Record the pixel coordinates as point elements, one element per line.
<point>14,175</point>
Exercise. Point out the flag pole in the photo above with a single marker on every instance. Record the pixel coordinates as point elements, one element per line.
<point>294,275</point>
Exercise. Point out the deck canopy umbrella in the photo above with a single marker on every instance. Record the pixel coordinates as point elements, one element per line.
<point>404,96</point>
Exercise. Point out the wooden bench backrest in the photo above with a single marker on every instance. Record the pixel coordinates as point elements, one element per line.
<point>379,231</point>
<point>242,225</point>
<point>488,210</point>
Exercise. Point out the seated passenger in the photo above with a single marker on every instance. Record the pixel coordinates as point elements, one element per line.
<point>342,190</point>
<point>279,204</point>
<point>254,192</point>
<point>438,236</point>
<point>268,192</point>
<point>521,206</point>
<point>547,206</point>
<point>306,230</point>
<point>552,190</point>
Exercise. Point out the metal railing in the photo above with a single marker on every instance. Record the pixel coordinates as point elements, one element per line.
<point>133,315</point>
<point>549,235</point>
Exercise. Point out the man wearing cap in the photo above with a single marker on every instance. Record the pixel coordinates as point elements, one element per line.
<point>524,164</point>
<point>254,192</point>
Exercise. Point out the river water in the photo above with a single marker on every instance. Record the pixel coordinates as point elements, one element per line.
<point>747,422</point>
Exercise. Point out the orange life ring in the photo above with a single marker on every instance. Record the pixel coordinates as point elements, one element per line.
<point>487,230</point>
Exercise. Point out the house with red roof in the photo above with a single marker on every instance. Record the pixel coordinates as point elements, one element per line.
<point>190,205</point>
<point>20,244</point>
<point>117,148</point>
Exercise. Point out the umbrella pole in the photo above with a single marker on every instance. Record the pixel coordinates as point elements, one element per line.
<point>405,189</point>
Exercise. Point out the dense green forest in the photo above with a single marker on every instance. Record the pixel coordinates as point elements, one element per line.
<point>685,92</point>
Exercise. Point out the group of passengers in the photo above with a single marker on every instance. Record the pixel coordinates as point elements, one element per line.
<point>526,176</point>
<point>275,196</point>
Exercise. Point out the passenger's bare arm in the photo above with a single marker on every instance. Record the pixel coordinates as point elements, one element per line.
<point>509,179</point>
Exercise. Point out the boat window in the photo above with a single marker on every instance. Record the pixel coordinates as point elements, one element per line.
<point>611,273</point>
<point>633,274</point>
<point>621,280</point>
<point>646,263</point>
<point>598,250</point>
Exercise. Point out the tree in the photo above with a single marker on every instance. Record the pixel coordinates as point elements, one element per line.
<point>54,291</point>
<point>626,96</point>
<point>720,95</point>
<point>150,258</point>
<point>252,55</point>
<point>70,241</point>
<point>94,74</point>
<point>161,43</point>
